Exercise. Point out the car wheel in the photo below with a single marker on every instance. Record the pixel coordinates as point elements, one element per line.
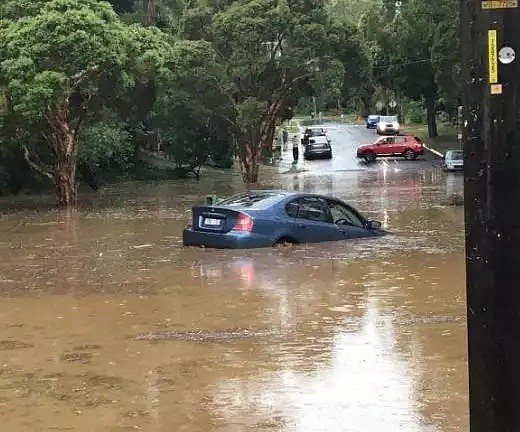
<point>409,155</point>
<point>369,157</point>
<point>284,242</point>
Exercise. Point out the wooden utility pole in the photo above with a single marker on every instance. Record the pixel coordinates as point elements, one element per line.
<point>491,134</point>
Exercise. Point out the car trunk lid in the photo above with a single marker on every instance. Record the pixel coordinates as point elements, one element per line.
<point>319,146</point>
<point>218,219</point>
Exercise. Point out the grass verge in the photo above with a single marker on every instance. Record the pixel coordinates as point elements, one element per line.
<point>447,138</point>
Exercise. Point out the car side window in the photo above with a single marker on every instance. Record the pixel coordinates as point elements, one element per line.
<point>314,209</point>
<point>291,208</point>
<point>400,140</point>
<point>387,140</point>
<point>343,215</point>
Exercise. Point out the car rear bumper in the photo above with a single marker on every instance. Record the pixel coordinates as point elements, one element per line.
<point>229,240</point>
<point>318,154</point>
<point>454,167</point>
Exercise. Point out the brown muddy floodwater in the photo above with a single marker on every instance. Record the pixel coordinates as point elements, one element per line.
<point>108,324</point>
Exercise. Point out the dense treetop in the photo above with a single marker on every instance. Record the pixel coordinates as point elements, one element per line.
<point>89,85</point>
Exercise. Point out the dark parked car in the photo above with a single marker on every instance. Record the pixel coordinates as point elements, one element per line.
<point>372,121</point>
<point>269,217</point>
<point>313,131</point>
<point>318,147</point>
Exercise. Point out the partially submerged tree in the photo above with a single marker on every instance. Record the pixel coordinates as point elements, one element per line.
<point>51,64</point>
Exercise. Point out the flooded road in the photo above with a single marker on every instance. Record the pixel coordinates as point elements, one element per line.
<point>108,324</point>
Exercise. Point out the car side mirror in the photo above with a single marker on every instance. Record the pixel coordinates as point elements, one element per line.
<point>373,225</point>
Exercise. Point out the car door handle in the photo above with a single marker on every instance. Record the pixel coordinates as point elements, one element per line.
<point>302,226</point>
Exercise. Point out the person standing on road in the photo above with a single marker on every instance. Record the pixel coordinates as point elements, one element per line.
<point>295,149</point>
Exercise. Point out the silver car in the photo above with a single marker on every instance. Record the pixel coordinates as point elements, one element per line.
<point>453,160</point>
<point>388,125</point>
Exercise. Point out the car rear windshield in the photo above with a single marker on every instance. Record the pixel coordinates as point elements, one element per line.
<point>455,155</point>
<point>250,199</point>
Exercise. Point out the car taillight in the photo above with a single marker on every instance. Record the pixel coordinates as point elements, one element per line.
<point>243,223</point>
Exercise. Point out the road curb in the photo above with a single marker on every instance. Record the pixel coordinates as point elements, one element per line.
<point>435,152</point>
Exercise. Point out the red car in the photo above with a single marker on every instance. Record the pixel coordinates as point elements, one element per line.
<point>407,146</point>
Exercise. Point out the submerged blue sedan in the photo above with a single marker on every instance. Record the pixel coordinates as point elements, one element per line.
<point>270,217</point>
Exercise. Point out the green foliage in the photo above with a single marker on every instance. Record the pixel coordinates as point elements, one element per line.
<point>108,146</point>
<point>48,56</point>
<point>193,108</point>
<point>415,112</point>
<point>205,74</point>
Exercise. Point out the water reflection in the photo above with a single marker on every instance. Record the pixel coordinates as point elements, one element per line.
<point>364,385</point>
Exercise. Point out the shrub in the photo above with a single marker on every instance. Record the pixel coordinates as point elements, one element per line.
<point>108,147</point>
<point>416,114</point>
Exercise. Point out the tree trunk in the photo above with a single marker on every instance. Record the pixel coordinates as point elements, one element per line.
<point>65,180</point>
<point>149,13</point>
<point>250,156</point>
<point>252,143</point>
<point>63,140</point>
<point>431,115</point>
<point>365,106</point>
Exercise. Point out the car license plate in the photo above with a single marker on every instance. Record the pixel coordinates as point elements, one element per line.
<point>212,222</point>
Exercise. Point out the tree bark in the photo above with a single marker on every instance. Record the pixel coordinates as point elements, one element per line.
<point>63,139</point>
<point>259,136</point>
<point>250,156</point>
<point>65,176</point>
<point>149,13</point>
<point>431,115</point>
<point>65,182</point>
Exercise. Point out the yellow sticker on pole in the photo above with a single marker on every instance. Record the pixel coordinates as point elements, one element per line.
<point>499,4</point>
<point>492,56</point>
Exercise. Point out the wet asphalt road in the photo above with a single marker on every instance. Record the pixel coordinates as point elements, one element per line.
<point>109,324</point>
<point>344,141</point>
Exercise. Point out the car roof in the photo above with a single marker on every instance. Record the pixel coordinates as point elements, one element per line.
<point>270,197</point>
<point>405,135</point>
<point>254,199</point>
